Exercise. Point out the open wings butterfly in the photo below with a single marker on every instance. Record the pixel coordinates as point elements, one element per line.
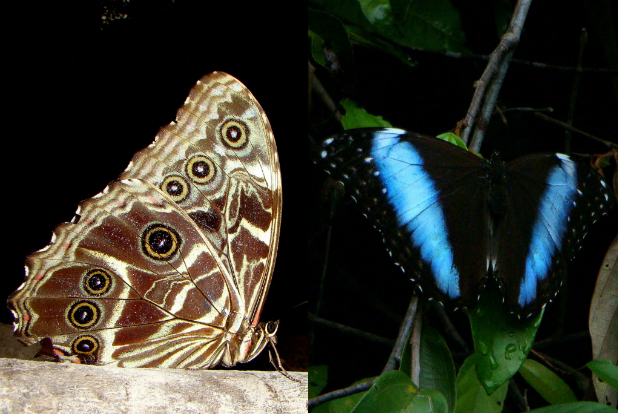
<point>451,219</point>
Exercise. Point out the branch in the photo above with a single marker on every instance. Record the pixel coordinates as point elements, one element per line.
<point>575,130</point>
<point>403,335</point>
<point>487,88</point>
<point>393,361</point>
<point>314,84</point>
<point>540,65</point>
<point>416,344</point>
<point>344,392</point>
<point>349,330</point>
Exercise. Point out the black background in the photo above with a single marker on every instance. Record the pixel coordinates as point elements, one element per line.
<point>81,94</point>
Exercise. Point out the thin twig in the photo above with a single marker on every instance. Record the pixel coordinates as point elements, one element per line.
<point>487,88</point>
<point>344,392</point>
<point>403,335</point>
<point>575,130</point>
<point>490,97</point>
<point>552,363</point>
<point>351,331</point>
<point>526,109</point>
<point>317,86</point>
<point>449,329</point>
<point>321,288</point>
<point>559,366</point>
<point>518,398</point>
<point>481,87</point>
<point>394,359</point>
<point>456,55</point>
<point>416,343</point>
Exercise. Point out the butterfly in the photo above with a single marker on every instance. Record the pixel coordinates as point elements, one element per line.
<point>170,265</point>
<point>451,220</point>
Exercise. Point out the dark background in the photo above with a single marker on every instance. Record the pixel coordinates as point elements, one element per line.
<point>362,288</point>
<point>81,94</point>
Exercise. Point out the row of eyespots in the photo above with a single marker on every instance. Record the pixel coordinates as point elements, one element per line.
<point>159,242</point>
<point>84,314</point>
<point>201,169</point>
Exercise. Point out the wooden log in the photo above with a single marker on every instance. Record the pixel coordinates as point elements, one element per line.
<point>45,387</point>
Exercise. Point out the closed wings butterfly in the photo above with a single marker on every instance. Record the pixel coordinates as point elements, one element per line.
<point>451,219</point>
<point>170,265</point>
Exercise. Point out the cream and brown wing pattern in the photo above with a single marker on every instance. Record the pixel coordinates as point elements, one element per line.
<point>170,265</point>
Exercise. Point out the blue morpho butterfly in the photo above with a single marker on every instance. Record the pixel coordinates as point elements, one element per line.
<point>454,218</point>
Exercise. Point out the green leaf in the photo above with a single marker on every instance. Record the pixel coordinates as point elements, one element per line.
<point>471,396</point>
<point>429,24</point>
<point>426,24</point>
<point>452,138</point>
<point>326,31</point>
<point>357,117</point>
<point>317,379</point>
<point>501,341</point>
<point>378,13</point>
<point>393,392</point>
<point>551,387</point>
<point>576,407</point>
<point>316,47</point>
<point>606,371</point>
<point>364,37</point>
<point>437,372</point>
<point>346,404</point>
<point>348,10</point>
<point>343,404</point>
<point>439,404</point>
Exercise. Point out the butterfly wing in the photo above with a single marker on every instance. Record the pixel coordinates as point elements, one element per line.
<point>450,218</point>
<point>224,171</point>
<point>551,202</point>
<point>425,195</point>
<point>117,285</point>
<point>170,265</point>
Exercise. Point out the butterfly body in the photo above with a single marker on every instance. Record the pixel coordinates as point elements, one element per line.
<point>170,265</point>
<point>451,219</point>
